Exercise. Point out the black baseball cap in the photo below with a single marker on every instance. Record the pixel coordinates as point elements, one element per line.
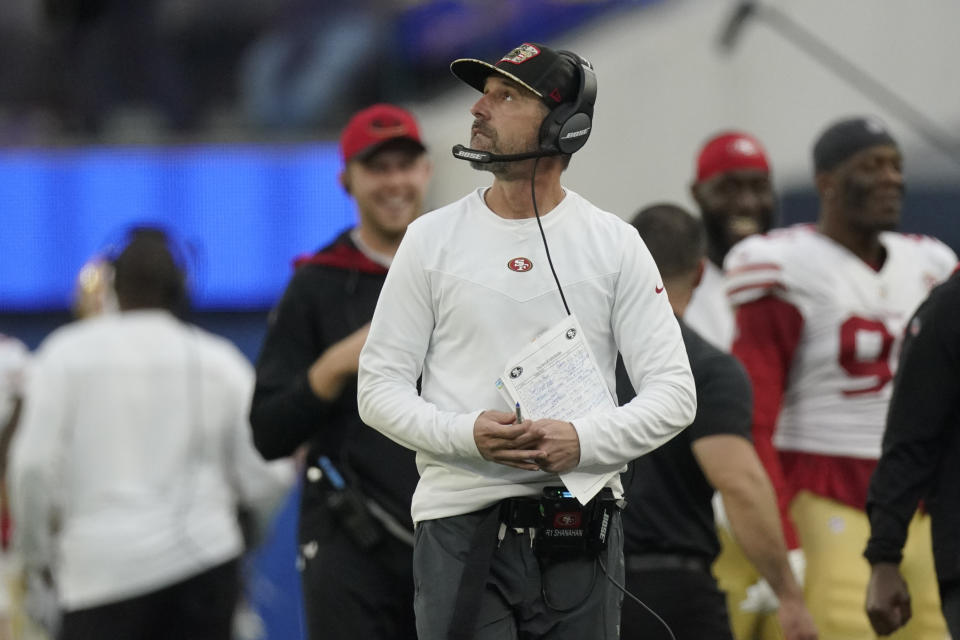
<point>844,138</point>
<point>542,70</point>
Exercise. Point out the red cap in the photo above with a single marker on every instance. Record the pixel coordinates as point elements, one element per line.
<point>730,151</point>
<point>375,125</point>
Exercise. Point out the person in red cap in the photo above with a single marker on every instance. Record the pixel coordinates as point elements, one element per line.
<point>355,531</point>
<point>519,530</point>
<point>734,193</point>
<point>821,311</point>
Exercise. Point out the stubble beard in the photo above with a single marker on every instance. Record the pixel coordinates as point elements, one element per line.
<point>506,171</point>
<point>499,169</point>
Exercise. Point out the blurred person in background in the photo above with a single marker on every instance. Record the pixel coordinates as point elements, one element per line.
<point>821,310</point>
<point>733,189</point>
<point>93,295</point>
<point>14,359</point>
<point>32,603</point>
<point>355,530</point>
<point>920,461</point>
<point>25,83</point>
<point>319,60</point>
<point>670,541</point>
<point>93,291</point>
<point>113,54</point>
<point>133,453</point>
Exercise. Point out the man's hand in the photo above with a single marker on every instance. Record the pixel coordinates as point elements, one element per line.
<point>559,445</point>
<point>339,363</point>
<point>544,445</point>
<point>795,620</point>
<point>792,613</point>
<point>500,439</point>
<point>888,600</point>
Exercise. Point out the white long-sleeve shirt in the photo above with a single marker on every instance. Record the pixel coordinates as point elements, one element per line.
<point>454,308</point>
<point>14,358</point>
<point>132,455</point>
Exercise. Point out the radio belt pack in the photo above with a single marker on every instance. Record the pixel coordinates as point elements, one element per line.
<point>560,527</point>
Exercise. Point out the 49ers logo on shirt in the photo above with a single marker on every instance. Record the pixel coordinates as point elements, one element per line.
<point>519,264</point>
<point>566,520</point>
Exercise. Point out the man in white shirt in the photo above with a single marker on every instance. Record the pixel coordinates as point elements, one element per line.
<point>471,285</point>
<point>14,357</point>
<point>131,458</point>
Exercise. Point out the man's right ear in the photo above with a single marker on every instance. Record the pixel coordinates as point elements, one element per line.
<point>695,194</point>
<point>344,181</point>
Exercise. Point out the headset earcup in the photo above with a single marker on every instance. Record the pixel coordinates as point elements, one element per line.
<point>566,128</point>
<point>551,127</point>
<point>574,132</point>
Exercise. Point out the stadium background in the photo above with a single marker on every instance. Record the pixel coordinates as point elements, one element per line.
<point>245,192</point>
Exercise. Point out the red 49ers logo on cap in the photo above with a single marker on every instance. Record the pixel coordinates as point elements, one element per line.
<point>521,54</point>
<point>519,264</point>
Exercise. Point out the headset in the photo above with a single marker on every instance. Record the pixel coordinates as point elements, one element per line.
<point>565,129</point>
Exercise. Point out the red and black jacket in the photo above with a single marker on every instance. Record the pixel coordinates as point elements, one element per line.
<point>332,294</point>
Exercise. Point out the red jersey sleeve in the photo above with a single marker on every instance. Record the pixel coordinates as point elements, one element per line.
<point>768,331</point>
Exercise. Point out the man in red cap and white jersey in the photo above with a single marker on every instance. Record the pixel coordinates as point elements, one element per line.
<point>734,192</point>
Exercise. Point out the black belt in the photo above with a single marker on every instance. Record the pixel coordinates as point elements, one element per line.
<point>653,561</point>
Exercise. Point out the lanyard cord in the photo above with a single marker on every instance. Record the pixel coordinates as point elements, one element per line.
<point>536,212</point>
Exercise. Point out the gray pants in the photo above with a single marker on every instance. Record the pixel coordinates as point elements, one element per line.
<point>568,600</point>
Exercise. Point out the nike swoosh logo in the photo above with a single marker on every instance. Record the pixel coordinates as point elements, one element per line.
<point>659,289</point>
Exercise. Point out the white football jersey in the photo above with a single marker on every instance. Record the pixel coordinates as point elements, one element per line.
<point>709,312</point>
<point>837,389</point>
<point>14,357</point>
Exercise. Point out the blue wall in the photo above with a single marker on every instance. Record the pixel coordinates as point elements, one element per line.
<point>239,213</point>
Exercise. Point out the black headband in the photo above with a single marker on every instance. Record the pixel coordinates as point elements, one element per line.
<point>845,138</point>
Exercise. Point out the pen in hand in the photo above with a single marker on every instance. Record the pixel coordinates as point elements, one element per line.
<point>519,417</point>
